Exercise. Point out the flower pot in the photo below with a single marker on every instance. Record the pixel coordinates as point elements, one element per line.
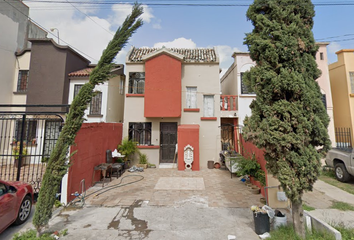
<point>142,165</point>
<point>217,165</point>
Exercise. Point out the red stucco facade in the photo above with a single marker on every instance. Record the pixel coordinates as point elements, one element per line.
<point>188,134</point>
<point>91,143</point>
<point>163,96</point>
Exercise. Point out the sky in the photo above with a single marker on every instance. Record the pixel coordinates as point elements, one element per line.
<point>88,26</point>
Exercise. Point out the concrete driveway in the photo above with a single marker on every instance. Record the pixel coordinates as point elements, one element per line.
<point>163,204</point>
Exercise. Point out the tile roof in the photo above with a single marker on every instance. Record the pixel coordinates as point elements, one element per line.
<point>81,73</point>
<point>202,55</point>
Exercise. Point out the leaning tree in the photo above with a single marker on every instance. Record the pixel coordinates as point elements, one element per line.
<point>289,120</point>
<point>57,164</point>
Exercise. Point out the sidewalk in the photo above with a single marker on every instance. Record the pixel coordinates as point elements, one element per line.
<point>322,198</point>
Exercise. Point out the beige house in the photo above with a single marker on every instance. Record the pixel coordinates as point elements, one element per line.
<point>342,83</point>
<point>232,84</point>
<point>172,104</point>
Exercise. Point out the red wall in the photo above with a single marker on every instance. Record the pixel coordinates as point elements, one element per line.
<point>163,97</point>
<point>92,141</point>
<point>188,134</point>
<point>248,148</point>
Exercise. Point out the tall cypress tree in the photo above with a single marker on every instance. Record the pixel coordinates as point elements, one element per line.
<point>57,166</point>
<point>289,120</point>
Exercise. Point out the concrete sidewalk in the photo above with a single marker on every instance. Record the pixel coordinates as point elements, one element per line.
<point>322,198</point>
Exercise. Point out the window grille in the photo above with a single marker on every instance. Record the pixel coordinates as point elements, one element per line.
<point>140,132</point>
<point>96,103</point>
<point>137,82</point>
<point>22,82</point>
<point>77,88</point>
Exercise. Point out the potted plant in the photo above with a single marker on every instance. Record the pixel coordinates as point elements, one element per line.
<point>127,148</point>
<point>16,153</point>
<point>143,160</point>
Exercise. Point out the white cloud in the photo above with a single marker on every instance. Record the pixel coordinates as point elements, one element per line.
<point>177,43</point>
<point>157,24</point>
<point>121,11</point>
<point>225,57</point>
<point>334,47</point>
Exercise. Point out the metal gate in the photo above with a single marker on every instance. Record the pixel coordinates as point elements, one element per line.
<point>26,142</point>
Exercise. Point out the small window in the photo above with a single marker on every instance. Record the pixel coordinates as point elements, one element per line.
<point>136,82</point>
<point>324,100</point>
<point>121,87</point>
<point>96,102</point>
<point>22,82</point>
<point>30,130</point>
<point>321,56</point>
<point>140,132</point>
<point>208,105</point>
<point>351,75</point>
<point>244,88</point>
<point>191,97</point>
<point>77,88</point>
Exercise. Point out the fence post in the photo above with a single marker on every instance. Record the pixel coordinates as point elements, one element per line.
<point>22,135</point>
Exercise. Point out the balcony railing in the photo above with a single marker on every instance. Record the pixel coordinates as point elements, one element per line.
<point>228,103</point>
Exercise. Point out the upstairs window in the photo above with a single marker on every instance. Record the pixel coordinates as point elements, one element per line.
<point>121,87</point>
<point>324,100</point>
<point>321,56</point>
<point>244,88</point>
<point>208,105</point>
<point>77,88</point>
<point>140,132</point>
<point>191,97</point>
<point>351,75</point>
<point>22,82</point>
<point>96,103</point>
<point>136,82</point>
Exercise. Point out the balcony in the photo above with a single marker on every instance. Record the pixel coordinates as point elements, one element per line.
<point>229,105</point>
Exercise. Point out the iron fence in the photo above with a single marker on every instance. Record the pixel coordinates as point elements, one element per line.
<point>343,138</point>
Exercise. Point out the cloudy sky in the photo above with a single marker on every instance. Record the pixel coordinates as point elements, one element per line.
<point>88,27</point>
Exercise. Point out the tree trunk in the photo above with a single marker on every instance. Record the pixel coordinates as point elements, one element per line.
<point>298,218</point>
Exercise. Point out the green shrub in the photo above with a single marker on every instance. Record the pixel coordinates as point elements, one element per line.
<point>32,235</point>
<point>248,166</point>
<point>143,158</point>
<point>127,148</point>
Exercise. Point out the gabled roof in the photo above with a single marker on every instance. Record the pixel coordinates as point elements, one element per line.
<point>194,55</point>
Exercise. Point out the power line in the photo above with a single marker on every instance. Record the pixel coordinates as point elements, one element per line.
<point>49,31</point>
<point>90,18</point>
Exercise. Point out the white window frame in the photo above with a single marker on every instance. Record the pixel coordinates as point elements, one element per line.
<point>208,101</point>
<point>191,97</point>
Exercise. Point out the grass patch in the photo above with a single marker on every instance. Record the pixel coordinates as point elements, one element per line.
<point>288,233</point>
<point>329,177</point>
<point>342,206</point>
<point>307,208</point>
<point>347,233</point>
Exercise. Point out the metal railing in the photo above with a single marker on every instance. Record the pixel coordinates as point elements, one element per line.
<point>343,138</point>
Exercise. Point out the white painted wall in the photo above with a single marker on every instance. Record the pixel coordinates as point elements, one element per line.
<point>102,88</point>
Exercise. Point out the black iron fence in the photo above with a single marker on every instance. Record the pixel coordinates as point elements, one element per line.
<point>343,138</point>
<point>26,142</point>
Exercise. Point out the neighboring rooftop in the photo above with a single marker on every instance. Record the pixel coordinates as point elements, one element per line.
<point>201,55</point>
<point>82,73</point>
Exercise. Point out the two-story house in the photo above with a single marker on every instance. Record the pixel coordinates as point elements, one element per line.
<point>232,84</point>
<point>342,83</point>
<point>172,105</point>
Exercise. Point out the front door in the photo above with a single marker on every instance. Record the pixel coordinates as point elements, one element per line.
<point>168,141</point>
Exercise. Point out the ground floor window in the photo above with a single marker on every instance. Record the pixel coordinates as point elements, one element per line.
<point>30,130</point>
<point>140,132</point>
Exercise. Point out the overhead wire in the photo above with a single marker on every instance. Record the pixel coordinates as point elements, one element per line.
<point>50,32</point>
